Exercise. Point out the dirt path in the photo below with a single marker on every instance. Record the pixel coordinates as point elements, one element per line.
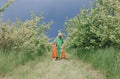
<point>61,69</point>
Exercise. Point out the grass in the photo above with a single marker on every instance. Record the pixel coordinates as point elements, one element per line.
<point>107,60</point>
<point>45,68</point>
<point>13,59</point>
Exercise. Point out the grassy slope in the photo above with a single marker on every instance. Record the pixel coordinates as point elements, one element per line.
<point>107,60</point>
<point>13,59</point>
<point>45,68</point>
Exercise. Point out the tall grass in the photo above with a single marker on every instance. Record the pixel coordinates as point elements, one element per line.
<point>107,60</point>
<point>13,59</point>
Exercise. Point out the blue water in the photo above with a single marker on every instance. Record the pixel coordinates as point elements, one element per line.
<point>56,10</point>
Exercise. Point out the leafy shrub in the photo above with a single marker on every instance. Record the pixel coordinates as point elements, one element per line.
<point>28,35</point>
<point>96,27</point>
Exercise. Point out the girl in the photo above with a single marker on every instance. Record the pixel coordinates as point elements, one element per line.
<point>58,46</point>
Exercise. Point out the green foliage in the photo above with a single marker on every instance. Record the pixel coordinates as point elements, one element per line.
<point>27,35</point>
<point>97,27</point>
<point>6,5</point>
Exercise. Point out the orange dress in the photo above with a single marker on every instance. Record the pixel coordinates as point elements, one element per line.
<point>54,51</point>
<point>63,54</point>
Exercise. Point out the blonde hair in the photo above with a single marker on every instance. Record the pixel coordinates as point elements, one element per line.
<point>59,34</point>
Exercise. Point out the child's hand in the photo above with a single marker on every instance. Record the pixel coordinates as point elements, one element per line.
<point>61,50</point>
<point>62,47</point>
<point>55,44</point>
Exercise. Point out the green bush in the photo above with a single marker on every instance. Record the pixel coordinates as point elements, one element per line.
<point>96,27</point>
<point>28,35</point>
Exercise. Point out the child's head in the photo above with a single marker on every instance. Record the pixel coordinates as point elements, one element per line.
<point>60,35</point>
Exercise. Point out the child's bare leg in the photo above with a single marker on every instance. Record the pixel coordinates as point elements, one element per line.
<point>54,59</point>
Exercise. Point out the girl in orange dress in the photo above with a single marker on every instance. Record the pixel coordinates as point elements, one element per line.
<point>58,48</point>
